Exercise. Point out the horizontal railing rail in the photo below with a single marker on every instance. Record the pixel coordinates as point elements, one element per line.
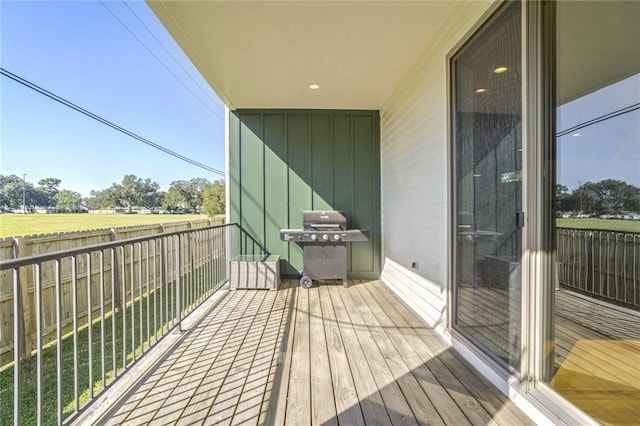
<point>600,264</point>
<point>97,310</point>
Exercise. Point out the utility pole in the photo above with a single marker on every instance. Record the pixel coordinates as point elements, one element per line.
<point>24,193</point>
<point>580,193</point>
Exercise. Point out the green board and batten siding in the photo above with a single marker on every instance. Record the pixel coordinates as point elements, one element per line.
<point>285,161</point>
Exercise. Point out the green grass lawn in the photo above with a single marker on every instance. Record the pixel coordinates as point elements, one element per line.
<point>603,224</point>
<point>29,377</point>
<point>13,225</point>
<point>154,329</point>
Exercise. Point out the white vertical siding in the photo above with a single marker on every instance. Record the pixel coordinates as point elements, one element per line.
<point>414,174</point>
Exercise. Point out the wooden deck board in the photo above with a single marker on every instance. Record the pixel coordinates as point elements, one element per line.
<point>322,399</point>
<point>596,317</point>
<point>276,406</point>
<point>460,379</point>
<point>223,406</point>
<point>420,404</point>
<point>225,344</point>
<point>607,358</point>
<point>395,403</point>
<point>345,395</point>
<point>328,355</point>
<point>371,403</point>
<point>249,408</point>
<point>597,349</point>
<point>403,337</point>
<point>219,354</point>
<point>435,352</point>
<point>150,396</point>
<point>597,358</point>
<point>298,411</point>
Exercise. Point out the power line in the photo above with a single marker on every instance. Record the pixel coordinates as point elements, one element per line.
<point>596,120</point>
<point>169,53</point>
<point>104,121</point>
<point>161,63</point>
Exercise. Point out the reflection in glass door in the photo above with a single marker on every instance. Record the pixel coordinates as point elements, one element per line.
<point>487,181</point>
<point>596,320</point>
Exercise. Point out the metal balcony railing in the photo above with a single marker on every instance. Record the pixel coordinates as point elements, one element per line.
<point>97,310</point>
<point>600,264</point>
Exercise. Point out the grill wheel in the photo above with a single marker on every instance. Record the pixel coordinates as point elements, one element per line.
<point>306,282</point>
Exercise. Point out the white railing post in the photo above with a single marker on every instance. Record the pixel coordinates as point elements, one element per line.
<point>16,348</point>
<point>178,289</point>
<point>229,249</point>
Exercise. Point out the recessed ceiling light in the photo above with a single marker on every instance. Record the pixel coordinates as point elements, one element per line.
<point>480,90</point>
<point>500,70</point>
<point>576,134</point>
<point>314,86</point>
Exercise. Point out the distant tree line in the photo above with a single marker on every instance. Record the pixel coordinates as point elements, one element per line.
<point>195,195</point>
<point>607,197</point>
<point>47,194</point>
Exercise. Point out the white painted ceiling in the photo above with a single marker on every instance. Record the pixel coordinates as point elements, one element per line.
<point>264,54</point>
<point>598,43</point>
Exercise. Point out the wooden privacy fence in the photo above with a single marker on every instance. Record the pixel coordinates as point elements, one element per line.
<point>12,248</point>
<point>600,264</point>
<point>94,311</point>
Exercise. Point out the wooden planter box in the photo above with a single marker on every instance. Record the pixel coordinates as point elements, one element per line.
<point>501,272</point>
<point>255,272</point>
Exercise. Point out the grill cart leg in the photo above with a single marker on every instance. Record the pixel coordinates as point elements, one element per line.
<point>306,282</point>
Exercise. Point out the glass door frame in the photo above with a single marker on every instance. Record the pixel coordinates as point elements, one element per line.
<point>538,311</point>
<point>540,252</point>
<point>498,370</point>
<point>538,237</point>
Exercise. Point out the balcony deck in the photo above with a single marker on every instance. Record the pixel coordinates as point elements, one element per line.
<point>327,355</point>
<point>597,350</point>
<point>597,359</point>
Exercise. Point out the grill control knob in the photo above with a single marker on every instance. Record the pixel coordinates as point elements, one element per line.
<point>336,237</point>
<point>325,237</point>
<point>314,237</point>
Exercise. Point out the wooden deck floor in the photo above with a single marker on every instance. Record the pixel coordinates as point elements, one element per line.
<point>598,359</point>
<point>323,356</point>
<point>597,349</point>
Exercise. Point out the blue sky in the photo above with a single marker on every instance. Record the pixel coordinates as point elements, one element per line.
<point>79,51</point>
<point>606,150</point>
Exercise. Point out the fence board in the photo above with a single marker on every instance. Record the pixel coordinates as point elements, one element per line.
<point>47,243</point>
<point>601,264</point>
<point>6,298</point>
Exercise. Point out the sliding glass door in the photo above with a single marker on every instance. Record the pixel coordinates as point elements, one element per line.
<point>594,321</point>
<point>487,183</point>
<point>578,334</point>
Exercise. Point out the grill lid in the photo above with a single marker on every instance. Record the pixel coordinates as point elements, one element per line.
<point>318,219</point>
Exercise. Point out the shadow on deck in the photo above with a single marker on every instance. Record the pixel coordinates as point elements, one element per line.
<point>596,349</point>
<point>327,355</point>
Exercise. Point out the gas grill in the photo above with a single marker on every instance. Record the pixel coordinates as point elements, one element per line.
<point>324,240</point>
